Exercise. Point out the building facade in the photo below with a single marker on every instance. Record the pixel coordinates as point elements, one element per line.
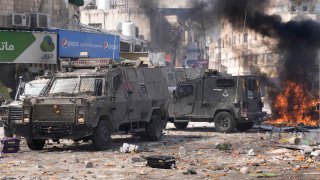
<point>243,51</point>
<point>61,13</point>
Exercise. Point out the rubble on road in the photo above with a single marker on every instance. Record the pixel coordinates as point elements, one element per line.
<point>214,155</point>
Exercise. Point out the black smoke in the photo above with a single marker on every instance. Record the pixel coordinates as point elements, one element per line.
<point>299,41</point>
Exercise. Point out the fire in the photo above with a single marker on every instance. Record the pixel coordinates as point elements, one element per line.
<point>294,106</point>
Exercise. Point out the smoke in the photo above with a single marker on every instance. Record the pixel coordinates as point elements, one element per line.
<point>164,36</point>
<point>299,41</point>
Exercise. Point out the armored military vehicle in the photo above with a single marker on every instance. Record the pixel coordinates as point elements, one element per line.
<point>29,89</point>
<point>91,104</point>
<point>228,101</point>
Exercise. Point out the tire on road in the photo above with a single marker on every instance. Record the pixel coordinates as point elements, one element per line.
<point>224,122</point>
<point>181,125</point>
<point>101,136</point>
<point>36,144</point>
<point>154,128</point>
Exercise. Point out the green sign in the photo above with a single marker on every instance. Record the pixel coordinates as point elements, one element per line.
<point>27,47</point>
<point>13,44</point>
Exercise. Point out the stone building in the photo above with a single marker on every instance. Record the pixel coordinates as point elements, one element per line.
<point>62,13</point>
<point>243,51</point>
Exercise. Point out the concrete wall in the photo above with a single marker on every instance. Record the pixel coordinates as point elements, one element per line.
<point>110,19</point>
<point>62,14</point>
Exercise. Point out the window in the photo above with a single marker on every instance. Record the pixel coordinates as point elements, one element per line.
<point>255,59</point>
<point>245,60</point>
<point>305,8</point>
<point>116,82</point>
<point>234,40</point>
<point>245,38</point>
<point>239,38</point>
<point>293,8</point>
<point>230,41</point>
<point>225,82</point>
<point>312,9</point>
<point>252,85</point>
<point>222,43</point>
<point>185,90</point>
<point>269,58</point>
<point>255,36</point>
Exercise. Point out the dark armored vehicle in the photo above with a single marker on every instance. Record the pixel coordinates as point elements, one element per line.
<point>29,89</point>
<point>228,101</point>
<point>91,104</point>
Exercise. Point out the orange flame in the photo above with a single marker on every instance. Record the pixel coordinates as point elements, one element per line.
<point>295,107</point>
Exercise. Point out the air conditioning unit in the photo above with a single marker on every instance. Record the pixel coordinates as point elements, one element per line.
<point>19,20</point>
<point>39,21</point>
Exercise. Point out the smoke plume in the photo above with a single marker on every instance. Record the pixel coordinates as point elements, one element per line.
<point>299,41</point>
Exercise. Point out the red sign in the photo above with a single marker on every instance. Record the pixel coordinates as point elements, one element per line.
<point>167,57</point>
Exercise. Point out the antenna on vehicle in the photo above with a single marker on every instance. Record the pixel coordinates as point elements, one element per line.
<point>19,89</point>
<point>244,27</point>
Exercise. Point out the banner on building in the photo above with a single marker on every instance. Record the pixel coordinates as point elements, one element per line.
<point>72,44</point>
<point>28,47</point>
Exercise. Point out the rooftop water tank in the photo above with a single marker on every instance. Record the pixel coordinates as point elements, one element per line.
<point>129,29</point>
<point>103,4</point>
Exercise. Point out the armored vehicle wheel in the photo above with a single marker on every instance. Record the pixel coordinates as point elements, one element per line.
<point>244,126</point>
<point>101,136</point>
<point>154,128</point>
<point>7,130</point>
<point>224,122</point>
<point>36,144</point>
<point>181,125</point>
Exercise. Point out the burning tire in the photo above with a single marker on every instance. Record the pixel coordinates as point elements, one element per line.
<point>101,136</point>
<point>154,128</point>
<point>36,144</point>
<point>242,127</point>
<point>181,125</point>
<point>224,122</point>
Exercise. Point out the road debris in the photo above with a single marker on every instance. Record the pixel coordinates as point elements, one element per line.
<point>224,146</point>
<point>88,164</point>
<point>263,174</point>
<point>129,148</point>
<point>190,171</point>
<point>160,161</point>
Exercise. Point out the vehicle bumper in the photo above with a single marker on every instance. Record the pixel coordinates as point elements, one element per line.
<point>51,130</point>
<point>256,117</point>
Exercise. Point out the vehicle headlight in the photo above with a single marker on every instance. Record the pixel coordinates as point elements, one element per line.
<point>81,116</point>
<point>3,114</point>
<point>26,115</point>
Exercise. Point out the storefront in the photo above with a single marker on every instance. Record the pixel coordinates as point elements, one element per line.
<point>26,54</point>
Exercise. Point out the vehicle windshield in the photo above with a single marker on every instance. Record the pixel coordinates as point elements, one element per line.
<point>72,86</point>
<point>34,88</point>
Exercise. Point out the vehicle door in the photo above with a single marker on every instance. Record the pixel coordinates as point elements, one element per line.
<point>217,93</point>
<point>252,94</point>
<point>184,99</point>
<point>118,97</point>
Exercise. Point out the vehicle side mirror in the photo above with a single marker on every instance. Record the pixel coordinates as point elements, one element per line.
<point>98,87</point>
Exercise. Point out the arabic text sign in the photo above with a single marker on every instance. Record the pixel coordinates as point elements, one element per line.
<point>28,47</point>
<point>72,43</point>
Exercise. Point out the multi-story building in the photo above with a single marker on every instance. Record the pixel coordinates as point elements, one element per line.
<point>243,51</point>
<point>129,18</point>
<point>61,13</point>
